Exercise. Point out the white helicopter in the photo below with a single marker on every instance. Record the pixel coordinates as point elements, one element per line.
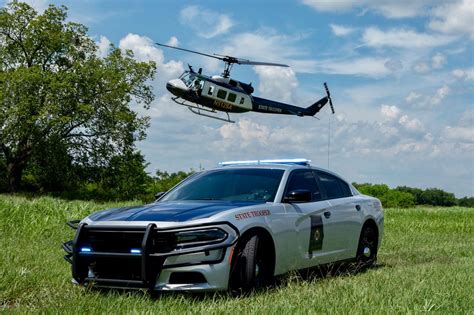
<point>206,95</point>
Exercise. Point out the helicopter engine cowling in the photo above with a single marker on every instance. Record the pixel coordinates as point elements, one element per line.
<point>248,88</point>
<point>177,87</point>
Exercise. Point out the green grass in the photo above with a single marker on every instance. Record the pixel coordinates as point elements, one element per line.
<point>426,263</point>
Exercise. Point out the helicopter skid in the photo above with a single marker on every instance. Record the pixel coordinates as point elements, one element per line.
<point>198,109</point>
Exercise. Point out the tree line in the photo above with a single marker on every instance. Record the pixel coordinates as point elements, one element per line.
<point>408,197</point>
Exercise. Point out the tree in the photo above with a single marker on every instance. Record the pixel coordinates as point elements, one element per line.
<point>466,202</point>
<point>437,197</point>
<point>164,181</point>
<point>54,86</point>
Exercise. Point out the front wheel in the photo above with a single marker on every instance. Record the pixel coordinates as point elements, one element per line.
<point>252,267</point>
<point>367,249</point>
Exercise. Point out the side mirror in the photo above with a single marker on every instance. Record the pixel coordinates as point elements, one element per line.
<point>159,194</point>
<point>299,195</point>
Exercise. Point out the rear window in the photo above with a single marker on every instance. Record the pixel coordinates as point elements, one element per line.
<point>333,186</point>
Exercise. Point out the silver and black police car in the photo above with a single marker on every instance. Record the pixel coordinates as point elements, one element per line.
<point>233,227</point>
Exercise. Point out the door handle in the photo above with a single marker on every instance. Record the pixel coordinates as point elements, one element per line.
<point>327,214</point>
<point>357,207</point>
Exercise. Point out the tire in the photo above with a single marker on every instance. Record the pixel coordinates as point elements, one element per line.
<point>367,249</point>
<point>252,267</point>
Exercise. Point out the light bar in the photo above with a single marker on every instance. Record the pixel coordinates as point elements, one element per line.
<point>86,250</point>
<point>266,162</point>
<point>135,251</point>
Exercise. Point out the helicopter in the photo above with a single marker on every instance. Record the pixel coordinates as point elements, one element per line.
<point>207,95</point>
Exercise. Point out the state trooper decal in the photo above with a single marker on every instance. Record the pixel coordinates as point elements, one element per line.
<point>317,234</point>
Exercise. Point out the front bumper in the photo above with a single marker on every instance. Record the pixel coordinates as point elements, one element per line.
<point>144,257</point>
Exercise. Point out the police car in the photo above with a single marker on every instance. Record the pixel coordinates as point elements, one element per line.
<point>233,227</point>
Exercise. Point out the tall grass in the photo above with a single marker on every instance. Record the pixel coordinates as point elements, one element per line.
<point>426,263</point>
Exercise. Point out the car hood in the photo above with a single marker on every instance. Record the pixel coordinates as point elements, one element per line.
<point>175,211</point>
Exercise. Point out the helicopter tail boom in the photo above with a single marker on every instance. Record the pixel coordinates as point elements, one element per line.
<point>316,107</point>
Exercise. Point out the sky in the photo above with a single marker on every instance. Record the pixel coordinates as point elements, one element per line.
<point>401,76</point>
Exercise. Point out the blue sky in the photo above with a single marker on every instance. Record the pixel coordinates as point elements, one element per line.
<point>401,75</point>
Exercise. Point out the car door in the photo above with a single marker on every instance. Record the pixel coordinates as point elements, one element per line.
<point>314,233</point>
<point>343,215</point>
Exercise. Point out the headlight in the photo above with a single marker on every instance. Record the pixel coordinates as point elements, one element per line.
<point>200,237</point>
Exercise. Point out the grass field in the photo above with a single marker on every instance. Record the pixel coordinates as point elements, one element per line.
<point>426,263</point>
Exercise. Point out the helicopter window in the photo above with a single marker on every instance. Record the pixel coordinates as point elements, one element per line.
<point>232,97</point>
<point>188,79</point>
<point>221,94</point>
<point>211,90</point>
<point>242,100</point>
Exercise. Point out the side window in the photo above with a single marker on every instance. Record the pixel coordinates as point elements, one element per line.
<point>304,179</point>
<point>232,97</point>
<point>242,100</point>
<point>211,90</point>
<point>334,187</point>
<point>221,94</point>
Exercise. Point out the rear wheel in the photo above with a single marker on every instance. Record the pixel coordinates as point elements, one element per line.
<point>252,268</point>
<point>367,249</point>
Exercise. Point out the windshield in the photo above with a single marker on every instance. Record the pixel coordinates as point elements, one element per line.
<point>230,184</point>
<point>190,79</point>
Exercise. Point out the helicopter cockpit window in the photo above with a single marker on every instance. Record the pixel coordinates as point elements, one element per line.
<point>242,100</point>
<point>188,79</point>
<point>221,94</point>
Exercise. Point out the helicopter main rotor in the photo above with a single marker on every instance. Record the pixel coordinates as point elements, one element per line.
<point>229,61</point>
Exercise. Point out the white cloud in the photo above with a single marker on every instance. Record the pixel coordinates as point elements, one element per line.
<point>277,83</point>
<point>428,101</point>
<point>267,45</point>
<point>454,18</point>
<point>440,95</point>
<point>422,68</point>
<point>464,74</point>
<point>390,111</point>
<point>206,23</point>
<point>438,61</point>
<point>366,66</point>
<point>411,124</point>
<point>403,38</point>
<point>104,46</point>
<point>413,97</point>
<point>144,49</point>
<point>340,30</point>
<point>388,8</point>
<point>467,119</point>
<point>245,132</point>
<point>173,41</point>
<point>459,134</point>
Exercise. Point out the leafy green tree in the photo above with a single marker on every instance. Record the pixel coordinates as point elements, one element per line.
<point>437,197</point>
<point>54,86</point>
<point>416,192</point>
<point>466,202</point>
<point>375,190</point>
<point>124,178</point>
<point>164,181</point>
<point>397,199</point>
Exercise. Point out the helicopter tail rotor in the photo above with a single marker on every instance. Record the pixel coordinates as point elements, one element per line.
<point>329,97</point>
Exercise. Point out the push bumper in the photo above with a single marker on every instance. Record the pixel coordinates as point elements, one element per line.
<point>145,257</point>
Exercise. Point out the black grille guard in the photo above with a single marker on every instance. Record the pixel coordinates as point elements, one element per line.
<point>151,262</point>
